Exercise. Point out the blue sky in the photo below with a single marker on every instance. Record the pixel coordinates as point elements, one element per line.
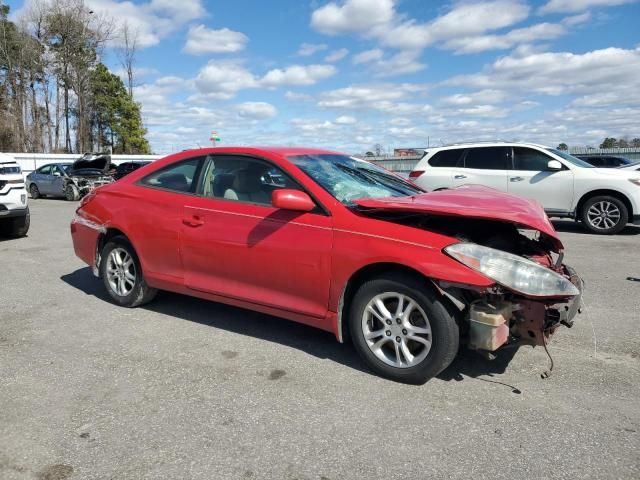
<point>348,74</point>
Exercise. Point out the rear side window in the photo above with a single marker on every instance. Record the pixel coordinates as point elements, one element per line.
<point>446,158</point>
<point>530,159</point>
<point>487,158</point>
<point>179,177</point>
<point>615,161</point>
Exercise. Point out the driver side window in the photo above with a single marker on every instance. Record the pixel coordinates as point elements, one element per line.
<point>243,179</point>
<point>530,160</point>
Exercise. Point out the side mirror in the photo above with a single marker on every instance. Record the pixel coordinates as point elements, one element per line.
<point>554,165</point>
<point>290,199</point>
<point>57,174</point>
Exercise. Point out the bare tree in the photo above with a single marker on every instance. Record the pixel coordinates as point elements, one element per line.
<point>127,53</point>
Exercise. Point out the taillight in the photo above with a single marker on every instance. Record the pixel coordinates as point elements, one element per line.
<point>415,174</point>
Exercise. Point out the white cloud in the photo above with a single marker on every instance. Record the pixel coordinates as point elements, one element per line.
<point>298,75</point>
<point>386,97</point>
<point>151,21</point>
<point>401,63</point>
<point>463,20</point>
<point>308,49</point>
<point>559,73</point>
<point>540,31</point>
<point>465,28</point>
<point>297,97</point>
<point>345,120</point>
<point>482,96</point>
<point>336,55</point>
<point>202,40</point>
<point>570,6</point>
<point>352,16</point>
<point>577,19</point>
<point>256,110</point>
<point>222,79</point>
<point>368,56</point>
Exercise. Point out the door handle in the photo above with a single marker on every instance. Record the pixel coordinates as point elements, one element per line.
<point>193,221</point>
<point>459,177</point>
<point>516,179</point>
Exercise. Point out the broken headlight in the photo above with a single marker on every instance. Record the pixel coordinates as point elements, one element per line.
<point>514,272</point>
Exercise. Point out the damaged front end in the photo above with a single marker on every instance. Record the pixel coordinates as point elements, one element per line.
<point>89,172</point>
<point>534,293</point>
<point>507,239</point>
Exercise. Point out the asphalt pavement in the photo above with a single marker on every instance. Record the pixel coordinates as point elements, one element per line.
<point>183,388</point>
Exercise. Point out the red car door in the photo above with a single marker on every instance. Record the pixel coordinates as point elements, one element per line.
<point>235,244</point>
<point>155,213</point>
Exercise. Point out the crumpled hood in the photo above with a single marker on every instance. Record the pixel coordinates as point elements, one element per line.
<point>91,163</point>
<point>473,201</point>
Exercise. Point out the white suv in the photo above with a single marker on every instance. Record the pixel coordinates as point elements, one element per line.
<point>604,199</point>
<point>14,212</point>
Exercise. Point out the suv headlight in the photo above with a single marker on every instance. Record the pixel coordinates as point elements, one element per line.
<point>512,271</point>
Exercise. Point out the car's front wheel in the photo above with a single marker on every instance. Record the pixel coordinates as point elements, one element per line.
<point>33,190</point>
<point>122,274</point>
<point>402,329</point>
<point>71,193</point>
<point>604,214</point>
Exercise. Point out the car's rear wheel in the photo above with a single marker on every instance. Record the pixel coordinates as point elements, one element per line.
<point>122,275</point>
<point>604,214</point>
<point>402,329</point>
<point>71,193</point>
<point>33,190</point>
<point>16,227</point>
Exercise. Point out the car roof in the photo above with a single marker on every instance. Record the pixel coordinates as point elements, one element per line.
<point>282,151</point>
<point>485,144</point>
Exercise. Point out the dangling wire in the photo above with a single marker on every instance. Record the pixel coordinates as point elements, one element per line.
<point>547,373</point>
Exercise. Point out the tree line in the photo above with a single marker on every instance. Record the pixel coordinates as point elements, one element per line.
<point>55,93</point>
<point>611,142</point>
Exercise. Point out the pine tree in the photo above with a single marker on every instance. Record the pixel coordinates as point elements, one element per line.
<point>116,121</point>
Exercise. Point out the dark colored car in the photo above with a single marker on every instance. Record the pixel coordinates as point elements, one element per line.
<point>605,161</point>
<point>126,168</point>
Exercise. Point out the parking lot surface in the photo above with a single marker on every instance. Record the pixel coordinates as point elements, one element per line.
<point>184,388</point>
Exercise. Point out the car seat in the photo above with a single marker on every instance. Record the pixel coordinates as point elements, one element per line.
<point>247,187</point>
<point>221,183</point>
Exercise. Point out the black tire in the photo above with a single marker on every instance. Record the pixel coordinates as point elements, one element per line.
<point>16,227</point>
<point>140,292</point>
<point>33,190</point>
<point>445,336</point>
<point>71,193</point>
<point>601,203</point>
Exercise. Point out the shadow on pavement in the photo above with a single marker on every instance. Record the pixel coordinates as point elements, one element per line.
<point>315,342</point>
<point>571,226</point>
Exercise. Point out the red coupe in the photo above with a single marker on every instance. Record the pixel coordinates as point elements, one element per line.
<point>338,243</point>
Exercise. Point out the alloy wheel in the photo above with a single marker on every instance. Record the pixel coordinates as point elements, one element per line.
<point>121,272</point>
<point>396,329</point>
<point>603,215</point>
